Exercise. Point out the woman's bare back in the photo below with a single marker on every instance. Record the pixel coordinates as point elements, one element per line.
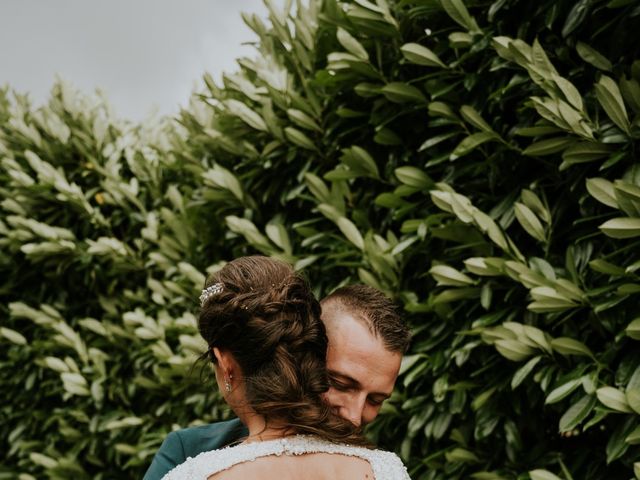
<point>291,457</point>
<point>312,466</point>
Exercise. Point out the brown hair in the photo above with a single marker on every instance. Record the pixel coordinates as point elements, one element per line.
<point>376,310</point>
<point>268,318</point>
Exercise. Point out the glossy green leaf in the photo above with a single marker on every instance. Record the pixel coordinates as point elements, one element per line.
<point>603,191</point>
<point>630,90</point>
<point>633,329</point>
<point>548,146</point>
<point>386,136</point>
<point>563,391</point>
<point>632,390</point>
<point>360,161</point>
<point>348,228</point>
<point>634,437</point>
<point>433,141</point>
<point>455,295</point>
<point>459,13</point>
<point>247,229</point>
<point>614,399</point>
<point>298,138</point>
<point>592,56</point>
<point>529,221</point>
<point>610,99</point>
<point>449,276</point>
<point>277,233</point>
<point>303,120</point>
<point>543,475</point>
<point>414,177</point>
<point>352,45</point>
<point>531,200</point>
<point>470,143</point>
<point>441,109</point>
<point>247,115</point>
<point>484,266</point>
<point>472,116</point>
<point>367,90</point>
<point>577,413</point>
<point>584,152</point>
<point>570,92</point>
<point>317,187</point>
<point>523,372</point>
<point>622,227</point>
<point>420,55</point>
<point>461,455</point>
<point>514,350</point>
<point>628,198</point>
<point>460,39</point>
<point>616,446</point>
<point>569,346</point>
<point>399,92</point>
<point>13,336</point>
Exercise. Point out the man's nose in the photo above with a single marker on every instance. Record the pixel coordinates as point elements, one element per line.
<point>352,411</point>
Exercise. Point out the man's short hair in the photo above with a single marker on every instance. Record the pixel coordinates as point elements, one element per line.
<point>374,308</point>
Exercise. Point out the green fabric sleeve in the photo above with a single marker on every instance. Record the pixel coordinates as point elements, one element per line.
<point>189,442</point>
<point>170,455</point>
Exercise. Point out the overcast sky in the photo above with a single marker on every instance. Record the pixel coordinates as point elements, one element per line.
<point>140,52</point>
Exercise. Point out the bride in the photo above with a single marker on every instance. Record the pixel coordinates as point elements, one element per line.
<point>268,347</point>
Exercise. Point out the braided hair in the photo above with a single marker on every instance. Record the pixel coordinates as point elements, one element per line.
<point>266,316</point>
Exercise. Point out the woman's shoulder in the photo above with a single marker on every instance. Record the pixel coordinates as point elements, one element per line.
<point>385,465</point>
<point>389,465</point>
<point>207,463</point>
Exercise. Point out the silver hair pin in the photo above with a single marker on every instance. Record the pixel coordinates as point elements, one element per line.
<point>209,292</point>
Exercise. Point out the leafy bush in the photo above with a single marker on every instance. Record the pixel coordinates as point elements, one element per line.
<point>477,162</point>
<point>98,285</point>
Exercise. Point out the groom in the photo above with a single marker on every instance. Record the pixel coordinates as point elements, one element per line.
<point>367,339</point>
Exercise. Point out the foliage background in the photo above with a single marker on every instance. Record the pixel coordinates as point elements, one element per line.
<point>478,162</point>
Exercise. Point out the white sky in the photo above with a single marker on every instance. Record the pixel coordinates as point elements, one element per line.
<point>139,52</point>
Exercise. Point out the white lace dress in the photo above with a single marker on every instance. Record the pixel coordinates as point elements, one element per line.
<point>385,465</point>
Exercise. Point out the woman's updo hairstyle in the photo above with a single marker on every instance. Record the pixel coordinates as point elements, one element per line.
<point>266,316</point>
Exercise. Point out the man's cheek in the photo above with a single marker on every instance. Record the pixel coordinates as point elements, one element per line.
<point>370,414</point>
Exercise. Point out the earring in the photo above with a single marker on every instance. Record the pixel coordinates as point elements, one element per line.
<point>227,384</point>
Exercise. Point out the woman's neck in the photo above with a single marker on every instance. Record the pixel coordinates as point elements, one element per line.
<point>260,431</point>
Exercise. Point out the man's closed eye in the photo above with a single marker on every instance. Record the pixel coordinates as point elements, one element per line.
<point>338,385</point>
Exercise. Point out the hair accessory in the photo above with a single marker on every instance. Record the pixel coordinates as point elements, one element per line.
<point>209,292</point>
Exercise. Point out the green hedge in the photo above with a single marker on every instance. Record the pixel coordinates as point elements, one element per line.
<point>479,163</point>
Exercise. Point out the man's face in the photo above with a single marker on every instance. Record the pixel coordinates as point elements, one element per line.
<point>362,371</point>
